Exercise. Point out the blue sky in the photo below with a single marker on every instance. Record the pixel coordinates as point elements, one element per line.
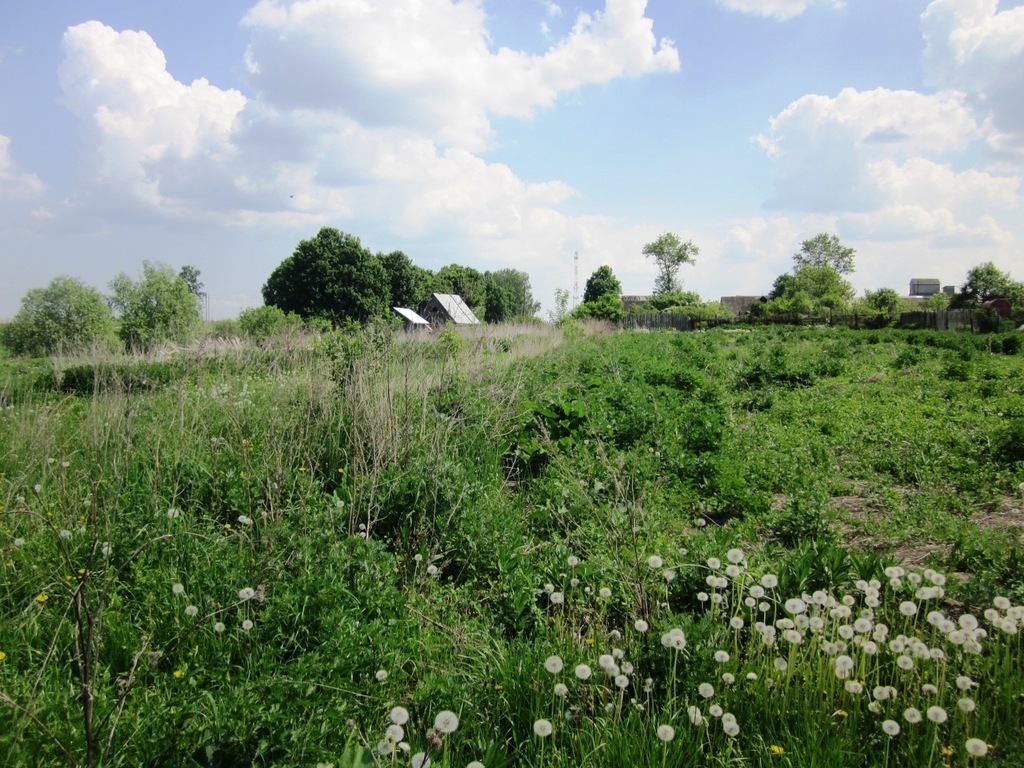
<point>509,133</point>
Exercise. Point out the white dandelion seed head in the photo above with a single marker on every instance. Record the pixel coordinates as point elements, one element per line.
<point>752,676</point>
<point>561,690</point>
<point>706,690</point>
<point>735,555</point>
<point>853,686</point>
<point>966,704</point>
<point>640,625</point>
<point>736,622</point>
<point>245,520</point>
<point>178,589</point>
<point>420,760</point>
<point>654,561</point>
<point>246,593</point>
<point>702,596</point>
<point>553,664</point>
<point>542,728</point>
<point>908,608</point>
<point>912,715</point>
<point>557,598</point>
<point>1001,602</point>
<point>20,542</point>
<point>714,563</point>
<point>431,570</point>
<point>621,681</point>
<point>572,561</point>
<point>604,593</point>
<point>618,654</point>
<point>399,715</point>
<point>219,627</point>
<point>964,683</point>
<point>394,733</point>
<point>583,672</point>
<point>666,733</point>
<point>606,660</point>
<point>976,747</point>
<point>247,625</point>
<point>173,513</point>
<point>717,599</point>
<point>715,711</point>
<point>937,714</point>
<point>381,675</point>
<point>721,656</point>
<point>191,611</point>
<point>890,728</point>
<point>446,721</point>
<point>732,729</point>
<point>795,605</point>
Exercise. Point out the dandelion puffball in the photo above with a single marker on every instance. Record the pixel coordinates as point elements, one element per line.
<point>666,733</point>
<point>446,721</point>
<point>542,728</point>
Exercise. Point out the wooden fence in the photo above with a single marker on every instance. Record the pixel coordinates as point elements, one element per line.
<point>946,320</point>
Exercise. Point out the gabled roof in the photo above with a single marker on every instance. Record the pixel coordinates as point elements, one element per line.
<point>409,316</point>
<point>456,309</point>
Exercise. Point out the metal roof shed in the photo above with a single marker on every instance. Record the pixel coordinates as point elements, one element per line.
<point>412,320</point>
<point>449,308</point>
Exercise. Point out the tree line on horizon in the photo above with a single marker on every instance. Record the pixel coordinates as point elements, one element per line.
<point>332,280</point>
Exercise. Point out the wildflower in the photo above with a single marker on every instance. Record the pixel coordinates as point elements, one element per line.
<point>908,608</point>
<point>621,681</point>
<point>880,692</point>
<point>557,598</point>
<point>219,627</point>
<point>583,672</point>
<point>106,549</point>
<point>606,660</point>
<point>432,571</point>
<point>42,597</point>
<point>246,593</point>
<point>420,759</point>
<point>752,676</point>
<point>666,733</point>
<point>947,751</point>
<point>19,542</point>
<point>937,714</point>
<point>640,625</point>
<point>399,715</point>
<point>381,675</point>
<point>542,728</point>
<point>905,662</point>
<point>553,664</point>
<point>890,727</point>
<point>769,581</point>
<point>853,686</point>
<point>247,625</point>
<point>966,704</point>
<point>695,715</point>
<point>721,656</point>
<point>191,611</point>
<point>795,605</point>
<point>734,556</point>
<point>655,562</point>
<point>1002,603</point>
<point>573,561</point>
<point>912,715</point>
<point>736,622</point>
<point>604,592</point>
<point>976,747</point>
<point>475,764</point>
<point>561,690</point>
<point>843,663</point>
<point>706,690</point>
<point>780,664</point>
<point>179,673</point>
<point>2,655</point>
<point>245,520</point>
<point>702,596</point>
<point>446,721</point>
<point>173,513</point>
<point>730,727</point>
<point>728,678</point>
<point>964,683</point>
<point>64,534</point>
<point>714,563</point>
<point>669,576</point>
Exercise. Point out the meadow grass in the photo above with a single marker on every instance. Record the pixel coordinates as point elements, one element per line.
<point>519,546</point>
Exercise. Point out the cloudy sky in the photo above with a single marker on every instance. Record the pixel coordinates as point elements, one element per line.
<point>509,133</point>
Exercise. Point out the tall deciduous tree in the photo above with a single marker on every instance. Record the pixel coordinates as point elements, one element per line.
<point>825,250</point>
<point>985,282</point>
<point>63,315</point>
<point>670,253</point>
<point>158,307</point>
<point>516,284</point>
<point>330,276</point>
<point>601,282</point>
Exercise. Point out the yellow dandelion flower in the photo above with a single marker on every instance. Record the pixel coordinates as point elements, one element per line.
<point>81,571</point>
<point>302,469</point>
<point>227,526</point>
<point>499,687</point>
<point>842,713</point>
<point>947,751</point>
<point>777,750</point>
<point>2,655</point>
<point>179,673</point>
<point>590,641</point>
<point>42,598</point>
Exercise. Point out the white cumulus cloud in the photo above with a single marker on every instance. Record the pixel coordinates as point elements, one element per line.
<point>776,9</point>
<point>429,65</point>
<point>15,184</point>
<point>973,46</point>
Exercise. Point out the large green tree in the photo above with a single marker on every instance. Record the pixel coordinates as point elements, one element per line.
<point>330,276</point>
<point>516,285</point>
<point>808,290</point>
<point>410,285</point>
<point>986,282</point>
<point>158,307</point>
<point>66,314</point>
<point>670,253</point>
<point>601,282</point>
<point>825,250</point>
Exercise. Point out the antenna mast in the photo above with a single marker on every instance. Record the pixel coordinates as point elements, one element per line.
<point>575,278</point>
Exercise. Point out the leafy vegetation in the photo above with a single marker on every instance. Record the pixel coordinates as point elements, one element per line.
<point>518,546</point>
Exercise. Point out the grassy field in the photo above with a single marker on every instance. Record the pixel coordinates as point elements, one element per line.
<point>517,546</point>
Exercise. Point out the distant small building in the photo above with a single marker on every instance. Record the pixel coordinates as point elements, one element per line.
<point>630,301</point>
<point>740,305</point>
<point>448,308</point>
<point>412,319</point>
<point>925,286</point>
